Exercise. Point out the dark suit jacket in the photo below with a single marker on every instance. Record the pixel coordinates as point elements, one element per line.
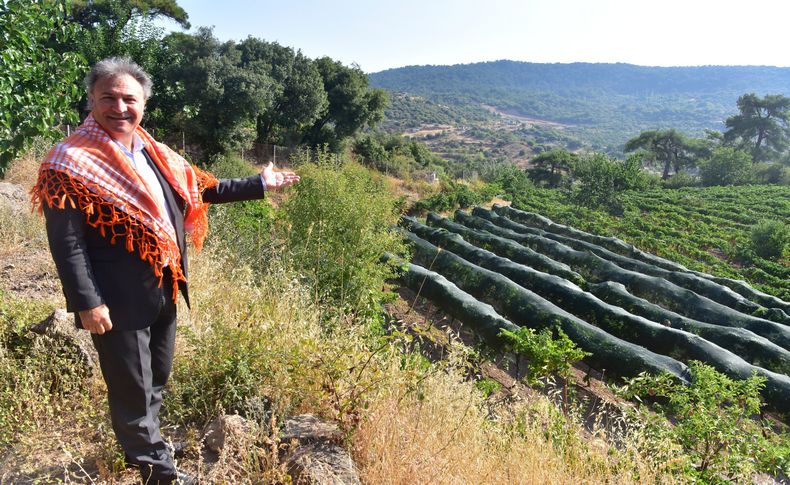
<point>93,271</point>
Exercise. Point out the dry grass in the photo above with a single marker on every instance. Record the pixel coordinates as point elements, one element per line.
<point>26,268</point>
<point>24,170</point>
<point>442,433</point>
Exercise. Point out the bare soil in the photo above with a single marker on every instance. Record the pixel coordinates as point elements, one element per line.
<point>525,119</point>
<point>29,273</point>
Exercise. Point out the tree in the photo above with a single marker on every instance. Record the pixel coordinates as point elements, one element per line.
<point>37,85</point>
<point>118,31</point>
<point>115,13</point>
<point>761,127</point>
<point>726,166</point>
<point>550,167</point>
<point>668,147</point>
<point>225,96</point>
<point>220,100</point>
<point>297,90</point>
<point>602,180</point>
<point>352,104</point>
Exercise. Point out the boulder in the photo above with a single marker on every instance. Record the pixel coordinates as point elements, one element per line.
<point>224,429</point>
<point>322,463</point>
<point>60,326</point>
<point>13,196</point>
<point>317,457</point>
<point>307,428</point>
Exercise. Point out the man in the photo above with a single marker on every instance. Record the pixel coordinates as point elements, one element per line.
<point>117,206</point>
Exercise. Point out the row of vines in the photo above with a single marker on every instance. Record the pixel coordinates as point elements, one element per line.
<point>631,310</point>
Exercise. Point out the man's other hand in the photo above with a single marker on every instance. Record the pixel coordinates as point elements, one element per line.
<point>275,180</point>
<point>96,320</point>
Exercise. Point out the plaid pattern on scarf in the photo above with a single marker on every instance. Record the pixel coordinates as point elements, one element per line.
<point>89,172</point>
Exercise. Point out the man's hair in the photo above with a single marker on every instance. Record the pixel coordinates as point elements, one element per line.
<point>118,66</point>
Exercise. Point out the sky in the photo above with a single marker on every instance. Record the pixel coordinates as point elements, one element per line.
<point>379,35</point>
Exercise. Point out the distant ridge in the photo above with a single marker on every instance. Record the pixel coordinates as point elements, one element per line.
<point>609,103</point>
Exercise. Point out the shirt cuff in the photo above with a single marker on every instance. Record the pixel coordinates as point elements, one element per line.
<point>263,182</point>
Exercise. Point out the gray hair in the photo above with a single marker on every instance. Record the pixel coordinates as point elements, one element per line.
<point>118,66</point>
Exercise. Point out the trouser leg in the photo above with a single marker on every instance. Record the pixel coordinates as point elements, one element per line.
<point>162,346</point>
<point>136,365</point>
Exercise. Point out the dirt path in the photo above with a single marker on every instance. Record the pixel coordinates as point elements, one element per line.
<point>525,119</point>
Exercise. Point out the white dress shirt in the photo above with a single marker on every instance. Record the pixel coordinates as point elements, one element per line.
<point>146,173</point>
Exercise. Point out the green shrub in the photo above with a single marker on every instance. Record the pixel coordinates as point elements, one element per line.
<point>713,424</point>
<point>232,369</point>
<point>395,155</point>
<point>457,195</point>
<point>515,183</point>
<point>337,225</point>
<point>230,166</point>
<point>546,355</point>
<point>243,225</point>
<point>727,166</point>
<point>680,180</point>
<point>772,173</point>
<point>602,180</point>
<point>488,386</point>
<point>770,238</point>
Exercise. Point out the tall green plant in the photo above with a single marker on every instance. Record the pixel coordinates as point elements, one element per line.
<point>336,223</point>
<point>547,355</point>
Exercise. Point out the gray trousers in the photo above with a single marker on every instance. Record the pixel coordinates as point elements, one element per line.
<point>136,365</point>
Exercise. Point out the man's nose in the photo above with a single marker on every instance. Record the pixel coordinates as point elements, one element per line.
<point>118,105</point>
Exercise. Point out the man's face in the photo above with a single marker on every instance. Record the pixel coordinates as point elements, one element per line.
<point>118,104</point>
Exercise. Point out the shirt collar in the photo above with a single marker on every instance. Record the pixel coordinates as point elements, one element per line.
<point>137,146</point>
<point>137,143</point>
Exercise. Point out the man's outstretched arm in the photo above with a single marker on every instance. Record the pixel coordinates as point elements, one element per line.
<point>249,188</point>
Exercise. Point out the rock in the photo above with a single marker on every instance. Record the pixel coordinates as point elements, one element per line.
<point>317,458</point>
<point>322,464</point>
<point>307,428</point>
<point>223,428</point>
<point>13,196</point>
<point>60,326</point>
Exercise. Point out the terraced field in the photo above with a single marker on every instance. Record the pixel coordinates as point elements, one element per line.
<point>632,310</point>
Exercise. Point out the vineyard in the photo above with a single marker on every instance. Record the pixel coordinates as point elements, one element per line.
<point>631,310</point>
<point>705,230</point>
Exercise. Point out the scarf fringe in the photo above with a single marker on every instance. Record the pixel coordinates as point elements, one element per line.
<point>197,219</point>
<point>56,189</point>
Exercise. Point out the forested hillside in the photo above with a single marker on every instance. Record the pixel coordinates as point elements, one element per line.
<point>602,105</point>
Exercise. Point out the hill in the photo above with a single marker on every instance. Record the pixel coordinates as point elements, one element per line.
<point>598,105</point>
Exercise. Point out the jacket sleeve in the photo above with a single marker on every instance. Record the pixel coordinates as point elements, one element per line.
<point>234,190</point>
<point>66,234</point>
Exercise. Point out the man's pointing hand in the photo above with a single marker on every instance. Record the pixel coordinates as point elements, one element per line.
<point>275,180</point>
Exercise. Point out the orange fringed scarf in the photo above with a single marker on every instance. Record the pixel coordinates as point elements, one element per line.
<point>89,171</point>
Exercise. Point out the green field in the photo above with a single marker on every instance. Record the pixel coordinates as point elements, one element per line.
<point>705,229</point>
